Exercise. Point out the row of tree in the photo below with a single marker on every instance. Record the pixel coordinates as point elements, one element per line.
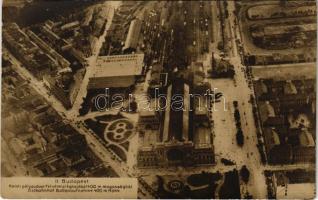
<point>239,133</point>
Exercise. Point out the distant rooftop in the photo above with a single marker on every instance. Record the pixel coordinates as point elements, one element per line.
<point>17,3</point>
<point>276,30</point>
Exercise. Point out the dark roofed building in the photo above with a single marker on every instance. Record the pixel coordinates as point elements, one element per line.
<point>176,124</point>
<point>301,176</point>
<point>177,145</point>
<point>281,154</point>
<point>304,154</point>
<point>149,120</point>
<point>288,137</point>
<point>156,80</point>
<point>275,121</point>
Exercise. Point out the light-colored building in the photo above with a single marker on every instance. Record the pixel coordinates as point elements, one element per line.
<point>133,35</point>
<point>71,25</point>
<point>119,71</point>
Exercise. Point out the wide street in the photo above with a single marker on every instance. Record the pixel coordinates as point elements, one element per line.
<point>91,61</point>
<point>225,130</point>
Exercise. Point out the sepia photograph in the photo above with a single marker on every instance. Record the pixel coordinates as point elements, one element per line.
<point>158,99</point>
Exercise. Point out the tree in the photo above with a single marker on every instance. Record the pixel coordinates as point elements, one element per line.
<point>186,191</point>
<point>245,174</point>
<point>235,103</point>
<point>238,124</point>
<point>237,115</point>
<point>133,106</point>
<point>220,46</point>
<point>227,162</point>
<point>239,137</point>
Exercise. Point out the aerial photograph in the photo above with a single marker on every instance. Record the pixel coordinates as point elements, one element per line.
<point>192,99</point>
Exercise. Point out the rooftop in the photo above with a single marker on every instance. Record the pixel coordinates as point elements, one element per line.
<point>133,34</point>
<point>118,65</point>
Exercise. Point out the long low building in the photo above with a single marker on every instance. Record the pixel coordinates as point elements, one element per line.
<point>119,71</point>
<point>281,29</point>
<point>133,35</point>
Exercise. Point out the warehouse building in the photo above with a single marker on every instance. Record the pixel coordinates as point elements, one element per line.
<point>132,38</point>
<point>116,72</point>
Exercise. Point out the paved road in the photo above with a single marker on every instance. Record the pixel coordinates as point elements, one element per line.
<point>92,61</point>
<point>257,184</point>
<point>250,155</point>
<point>108,159</point>
<point>35,83</point>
